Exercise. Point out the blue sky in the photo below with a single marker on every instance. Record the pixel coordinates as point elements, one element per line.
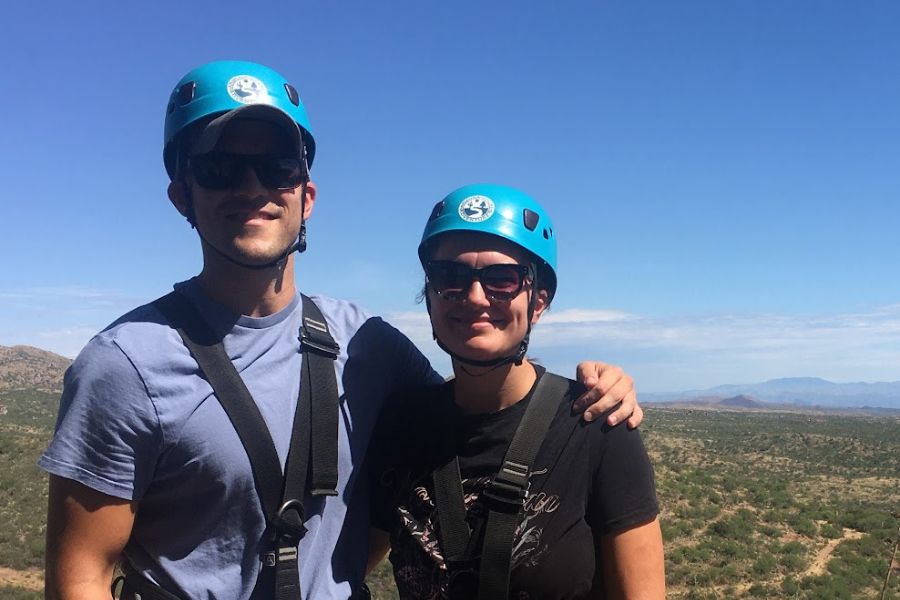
<point>723,175</point>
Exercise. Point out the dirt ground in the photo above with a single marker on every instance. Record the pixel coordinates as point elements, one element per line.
<point>820,560</point>
<point>31,579</point>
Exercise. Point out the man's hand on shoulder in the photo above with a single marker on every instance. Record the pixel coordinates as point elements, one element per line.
<point>608,385</point>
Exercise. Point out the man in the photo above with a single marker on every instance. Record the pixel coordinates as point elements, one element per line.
<point>146,465</point>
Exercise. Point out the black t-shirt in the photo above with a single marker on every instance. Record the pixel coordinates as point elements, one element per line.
<point>588,479</point>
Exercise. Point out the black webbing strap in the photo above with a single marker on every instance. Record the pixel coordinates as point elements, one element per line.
<point>281,494</point>
<point>207,349</point>
<point>451,511</point>
<point>319,382</point>
<point>137,587</point>
<point>504,496</point>
<point>508,489</point>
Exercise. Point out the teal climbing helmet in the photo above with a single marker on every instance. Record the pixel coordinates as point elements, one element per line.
<point>222,86</point>
<point>501,211</point>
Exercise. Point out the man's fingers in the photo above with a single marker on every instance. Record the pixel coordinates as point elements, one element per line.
<point>613,386</point>
<point>623,411</point>
<point>587,372</point>
<point>586,399</point>
<point>609,379</point>
<point>636,417</point>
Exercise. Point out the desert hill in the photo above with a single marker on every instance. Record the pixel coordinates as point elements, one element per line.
<point>26,367</point>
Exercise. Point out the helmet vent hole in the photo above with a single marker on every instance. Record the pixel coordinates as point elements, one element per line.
<point>436,211</point>
<point>171,108</point>
<point>547,234</point>
<point>185,93</point>
<point>531,218</point>
<point>293,96</point>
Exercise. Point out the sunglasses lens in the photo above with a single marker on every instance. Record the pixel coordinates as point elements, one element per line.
<point>502,282</point>
<point>448,278</point>
<point>279,173</point>
<point>215,171</point>
<point>452,280</point>
<point>219,171</point>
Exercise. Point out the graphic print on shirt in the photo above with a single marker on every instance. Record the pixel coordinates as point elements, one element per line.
<point>424,573</point>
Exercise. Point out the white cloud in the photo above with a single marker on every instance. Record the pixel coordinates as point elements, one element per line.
<point>677,352</point>
<point>582,315</point>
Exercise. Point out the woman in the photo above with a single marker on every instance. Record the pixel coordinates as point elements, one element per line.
<point>494,488</point>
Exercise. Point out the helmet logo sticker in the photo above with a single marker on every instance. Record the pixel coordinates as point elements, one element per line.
<point>247,89</point>
<point>476,209</point>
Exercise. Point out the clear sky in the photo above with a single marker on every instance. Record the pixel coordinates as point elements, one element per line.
<point>724,176</point>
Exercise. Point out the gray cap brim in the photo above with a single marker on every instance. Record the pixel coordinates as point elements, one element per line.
<point>212,133</point>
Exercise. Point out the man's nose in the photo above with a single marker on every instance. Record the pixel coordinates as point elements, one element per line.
<point>250,184</point>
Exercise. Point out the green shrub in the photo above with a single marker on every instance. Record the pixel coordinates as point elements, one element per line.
<point>831,531</point>
<point>790,586</point>
<point>764,565</point>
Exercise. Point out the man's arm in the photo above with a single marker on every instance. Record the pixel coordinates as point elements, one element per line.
<point>86,533</point>
<point>632,563</point>
<point>607,385</point>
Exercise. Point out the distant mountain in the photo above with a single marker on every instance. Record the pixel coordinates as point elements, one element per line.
<point>739,402</point>
<point>800,391</point>
<point>26,367</point>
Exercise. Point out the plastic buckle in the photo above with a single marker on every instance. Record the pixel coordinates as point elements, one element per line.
<point>314,334</point>
<point>288,554</point>
<point>509,488</point>
<point>289,530</point>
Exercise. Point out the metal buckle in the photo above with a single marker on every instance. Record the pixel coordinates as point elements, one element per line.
<point>284,529</point>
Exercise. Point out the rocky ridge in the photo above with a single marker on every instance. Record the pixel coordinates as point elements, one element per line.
<point>26,367</point>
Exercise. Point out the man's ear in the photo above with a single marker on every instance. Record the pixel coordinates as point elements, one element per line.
<point>180,197</point>
<point>541,303</point>
<point>310,200</point>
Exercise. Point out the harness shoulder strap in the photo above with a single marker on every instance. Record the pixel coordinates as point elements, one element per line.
<point>508,489</point>
<point>207,349</point>
<point>319,384</point>
<point>504,496</point>
<point>313,430</point>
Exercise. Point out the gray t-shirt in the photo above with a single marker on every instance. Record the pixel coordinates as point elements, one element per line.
<point>138,422</point>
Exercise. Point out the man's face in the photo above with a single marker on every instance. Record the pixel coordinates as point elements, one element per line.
<point>250,222</point>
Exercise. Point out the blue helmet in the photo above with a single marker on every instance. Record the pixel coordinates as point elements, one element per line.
<point>501,211</point>
<point>219,87</point>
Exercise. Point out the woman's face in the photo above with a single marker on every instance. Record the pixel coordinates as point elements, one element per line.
<point>473,325</point>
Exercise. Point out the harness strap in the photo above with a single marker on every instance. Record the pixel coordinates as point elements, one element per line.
<point>504,496</point>
<point>281,494</point>
<point>451,511</point>
<point>319,382</point>
<point>137,587</point>
<point>207,349</point>
<point>508,489</point>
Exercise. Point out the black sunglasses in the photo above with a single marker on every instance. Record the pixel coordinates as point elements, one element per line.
<point>500,282</point>
<point>223,171</point>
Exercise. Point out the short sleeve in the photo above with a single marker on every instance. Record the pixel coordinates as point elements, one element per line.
<point>623,490</point>
<point>381,463</point>
<point>409,368</point>
<point>107,432</point>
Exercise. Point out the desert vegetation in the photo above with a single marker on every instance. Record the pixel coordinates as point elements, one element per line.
<point>771,505</point>
<point>755,505</point>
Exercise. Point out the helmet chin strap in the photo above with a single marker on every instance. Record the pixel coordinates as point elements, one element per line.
<point>517,358</point>
<point>299,246</point>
